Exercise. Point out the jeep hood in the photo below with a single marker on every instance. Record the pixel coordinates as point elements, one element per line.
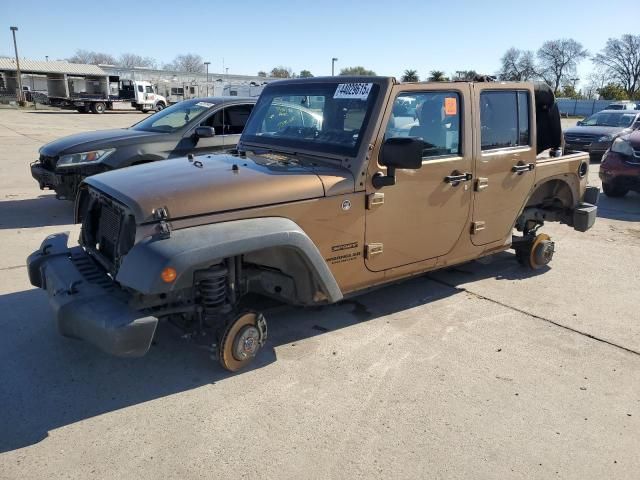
<point>87,141</point>
<point>218,183</point>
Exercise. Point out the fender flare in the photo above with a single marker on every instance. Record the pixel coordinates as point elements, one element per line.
<point>195,248</point>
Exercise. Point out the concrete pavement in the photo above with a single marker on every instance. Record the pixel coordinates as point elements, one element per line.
<point>485,370</point>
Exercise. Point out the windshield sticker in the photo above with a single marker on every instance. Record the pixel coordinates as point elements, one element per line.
<point>357,91</point>
<point>204,104</point>
<point>451,106</point>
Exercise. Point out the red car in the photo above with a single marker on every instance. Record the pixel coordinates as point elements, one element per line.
<point>620,167</point>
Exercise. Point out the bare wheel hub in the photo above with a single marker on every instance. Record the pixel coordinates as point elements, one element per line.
<point>241,340</point>
<point>247,343</point>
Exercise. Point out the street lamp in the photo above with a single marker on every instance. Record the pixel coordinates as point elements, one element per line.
<point>15,47</point>
<point>333,62</point>
<point>207,65</point>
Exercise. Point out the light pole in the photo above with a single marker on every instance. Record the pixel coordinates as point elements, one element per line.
<point>207,65</point>
<point>333,62</point>
<point>15,47</point>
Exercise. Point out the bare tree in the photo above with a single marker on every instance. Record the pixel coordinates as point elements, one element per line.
<point>93,58</point>
<point>262,73</point>
<point>410,76</point>
<point>189,62</point>
<point>465,75</point>
<point>558,60</point>
<point>596,80</point>
<point>282,72</point>
<point>621,57</point>
<point>131,60</point>
<point>517,65</point>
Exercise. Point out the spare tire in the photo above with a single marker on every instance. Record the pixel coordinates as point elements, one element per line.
<point>548,125</point>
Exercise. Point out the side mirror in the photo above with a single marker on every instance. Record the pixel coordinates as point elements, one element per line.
<point>398,152</point>
<point>580,123</point>
<point>205,132</point>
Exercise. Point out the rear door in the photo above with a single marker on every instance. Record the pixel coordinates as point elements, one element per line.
<point>505,160</point>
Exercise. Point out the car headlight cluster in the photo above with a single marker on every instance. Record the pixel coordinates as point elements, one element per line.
<point>82,158</point>
<point>605,138</point>
<point>622,146</point>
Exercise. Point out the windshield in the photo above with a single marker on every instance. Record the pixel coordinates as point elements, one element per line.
<point>173,118</point>
<point>610,119</point>
<point>323,117</point>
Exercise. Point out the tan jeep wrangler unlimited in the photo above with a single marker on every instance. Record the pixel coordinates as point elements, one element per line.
<point>371,181</point>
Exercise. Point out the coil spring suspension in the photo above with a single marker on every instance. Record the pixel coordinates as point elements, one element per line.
<point>212,290</point>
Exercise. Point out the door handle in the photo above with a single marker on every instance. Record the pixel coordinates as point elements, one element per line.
<point>527,167</point>
<point>455,178</point>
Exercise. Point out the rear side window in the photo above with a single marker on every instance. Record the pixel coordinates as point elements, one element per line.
<point>504,118</point>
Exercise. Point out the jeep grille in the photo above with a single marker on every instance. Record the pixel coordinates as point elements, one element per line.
<point>108,231</point>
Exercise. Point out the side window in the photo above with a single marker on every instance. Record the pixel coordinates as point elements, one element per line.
<point>215,121</point>
<point>149,89</point>
<point>432,116</point>
<point>237,118</point>
<point>140,89</point>
<point>504,119</point>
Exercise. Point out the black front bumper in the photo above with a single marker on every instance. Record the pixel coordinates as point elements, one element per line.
<point>45,178</point>
<point>87,304</point>
<point>65,185</point>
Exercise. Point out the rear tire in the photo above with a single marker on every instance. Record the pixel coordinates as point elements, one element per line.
<point>98,107</point>
<point>614,191</point>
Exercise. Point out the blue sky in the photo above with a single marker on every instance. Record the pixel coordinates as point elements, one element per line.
<point>385,36</point>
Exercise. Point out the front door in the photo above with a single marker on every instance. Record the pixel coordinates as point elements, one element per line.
<point>424,214</point>
<point>505,161</point>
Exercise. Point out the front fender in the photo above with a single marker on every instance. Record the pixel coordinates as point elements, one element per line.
<point>195,248</point>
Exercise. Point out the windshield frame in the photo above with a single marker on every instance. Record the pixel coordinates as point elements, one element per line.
<point>169,110</point>
<point>304,88</point>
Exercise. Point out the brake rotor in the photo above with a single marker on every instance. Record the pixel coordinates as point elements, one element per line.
<point>242,340</point>
<point>541,251</point>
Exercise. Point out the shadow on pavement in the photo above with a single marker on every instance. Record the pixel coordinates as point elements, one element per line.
<point>35,212</point>
<point>626,208</point>
<point>500,266</point>
<point>49,381</point>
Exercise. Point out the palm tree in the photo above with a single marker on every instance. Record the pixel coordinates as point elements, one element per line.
<point>437,76</point>
<point>410,76</point>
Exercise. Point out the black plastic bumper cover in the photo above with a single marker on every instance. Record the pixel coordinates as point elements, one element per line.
<point>87,308</point>
<point>45,178</point>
